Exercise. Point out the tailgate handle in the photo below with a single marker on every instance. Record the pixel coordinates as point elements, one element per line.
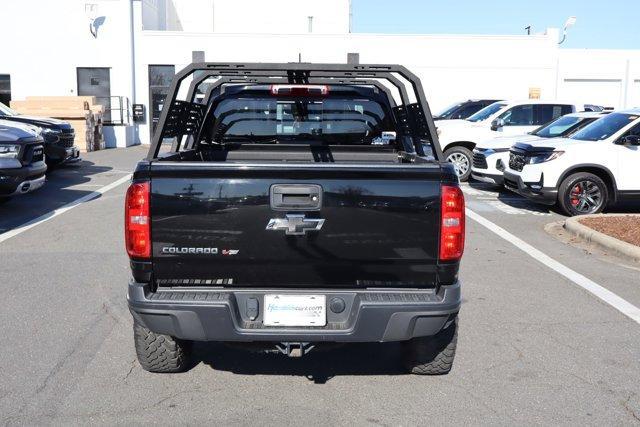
<point>296,197</point>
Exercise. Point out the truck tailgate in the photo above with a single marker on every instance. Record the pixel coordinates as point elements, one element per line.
<point>218,225</point>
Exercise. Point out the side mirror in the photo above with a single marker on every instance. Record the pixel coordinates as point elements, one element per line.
<point>629,140</point>
<point>497,124</point>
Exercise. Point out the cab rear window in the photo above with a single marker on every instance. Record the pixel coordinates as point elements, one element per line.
<point>339,121</point>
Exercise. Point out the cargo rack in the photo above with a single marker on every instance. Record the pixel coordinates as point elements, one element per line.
<point>180,118</point>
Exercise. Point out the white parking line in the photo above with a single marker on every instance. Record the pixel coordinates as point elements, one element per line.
<point>620,304</point>
<point>50,215</point>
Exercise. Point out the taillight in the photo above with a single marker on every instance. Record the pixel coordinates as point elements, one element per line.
<point>451,223</point>
<point>136,221</point>
<point>299,90</point>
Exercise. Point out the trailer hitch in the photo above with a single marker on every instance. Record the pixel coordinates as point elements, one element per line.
<point>294,349</point>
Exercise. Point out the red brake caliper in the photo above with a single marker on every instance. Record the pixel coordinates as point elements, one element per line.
<point>574,195</point>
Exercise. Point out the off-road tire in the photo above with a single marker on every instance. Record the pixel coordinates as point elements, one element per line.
<point>461,151</point>
<point>160,353</point>
<point>564,196</point>
<point>432,355</point>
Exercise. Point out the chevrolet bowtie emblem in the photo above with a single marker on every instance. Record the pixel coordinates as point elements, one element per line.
<point>295,225</point>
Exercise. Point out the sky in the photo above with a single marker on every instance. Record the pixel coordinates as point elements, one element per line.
<point>601,24</point>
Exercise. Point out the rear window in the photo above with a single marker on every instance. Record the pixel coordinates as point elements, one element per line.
<point>338,121</point>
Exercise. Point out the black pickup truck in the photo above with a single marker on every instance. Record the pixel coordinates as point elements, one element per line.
<point>295,205</point>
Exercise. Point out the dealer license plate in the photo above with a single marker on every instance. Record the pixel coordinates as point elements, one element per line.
<point>295,310</point>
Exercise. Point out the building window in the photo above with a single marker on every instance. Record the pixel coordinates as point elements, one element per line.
<point>96,81</point>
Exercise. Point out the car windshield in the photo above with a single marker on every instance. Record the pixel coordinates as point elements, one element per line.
<point>487,112</point>
<point>6,111</point>
<point>449,110</point>
<point>300,120</point>
<point>605,127</point>
<point>558,127</point>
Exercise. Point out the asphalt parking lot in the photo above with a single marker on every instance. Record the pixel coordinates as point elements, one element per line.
<point>534,347</point>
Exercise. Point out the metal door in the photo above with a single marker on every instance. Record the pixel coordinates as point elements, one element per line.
<point>160,77</point>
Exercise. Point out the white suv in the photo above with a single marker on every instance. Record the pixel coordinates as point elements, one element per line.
<point>596,166</point>
<point>459,137</point>
<point>491,157</point>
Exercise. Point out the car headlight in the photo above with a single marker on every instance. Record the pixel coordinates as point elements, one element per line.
<point>545,157</point>
<point>50,135</point>
<point>9,151</point>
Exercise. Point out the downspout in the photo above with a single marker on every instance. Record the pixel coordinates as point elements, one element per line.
<point>626,87</point>
<point>132,59</point>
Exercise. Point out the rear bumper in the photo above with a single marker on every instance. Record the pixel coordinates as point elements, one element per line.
<point>531,190</point>
<point>368,316</point>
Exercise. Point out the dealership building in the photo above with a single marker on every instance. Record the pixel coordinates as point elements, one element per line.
<point>126,51</point>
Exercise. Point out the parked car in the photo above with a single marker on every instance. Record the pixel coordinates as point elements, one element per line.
<point>58,136</point>
<point>285,218</point>
<point>22,166</point>
<point>458,138</point>
<point>584,173</point>
<point>464,109</point>
<point>491,157</point>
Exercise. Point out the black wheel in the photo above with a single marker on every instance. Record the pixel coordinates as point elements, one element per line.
<point>432,355</point>
<point>160,353</point>
<point>583,193</point>
<point>461,159</point>
<point>4,200</point>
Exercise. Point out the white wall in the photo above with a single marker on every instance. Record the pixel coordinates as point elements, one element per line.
<point>604,77</point>
<point>247,16</point>
<point>451,67</point>
<point>44,41</point>
<point>154,15</point>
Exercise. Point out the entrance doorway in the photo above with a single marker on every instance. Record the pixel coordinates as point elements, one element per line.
<point>160,77</point>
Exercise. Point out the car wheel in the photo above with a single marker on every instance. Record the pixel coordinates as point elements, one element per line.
<point>583,193</point>
<point>160,353</point>
<point>432,355</point>
<point>461,159</point>
<point>4,200</point>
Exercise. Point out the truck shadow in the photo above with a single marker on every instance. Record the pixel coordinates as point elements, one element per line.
<point>55,193</point>
<point>319,366</point>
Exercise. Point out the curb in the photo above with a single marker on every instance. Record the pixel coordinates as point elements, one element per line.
<point>590,235</point>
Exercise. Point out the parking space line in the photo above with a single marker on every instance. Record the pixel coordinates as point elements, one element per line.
<point>50,215</point>
<point>620,304</point>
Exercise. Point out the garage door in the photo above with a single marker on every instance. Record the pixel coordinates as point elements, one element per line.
<point>592,91</point>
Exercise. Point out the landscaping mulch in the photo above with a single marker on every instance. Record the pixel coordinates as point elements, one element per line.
<point>625,228</point>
